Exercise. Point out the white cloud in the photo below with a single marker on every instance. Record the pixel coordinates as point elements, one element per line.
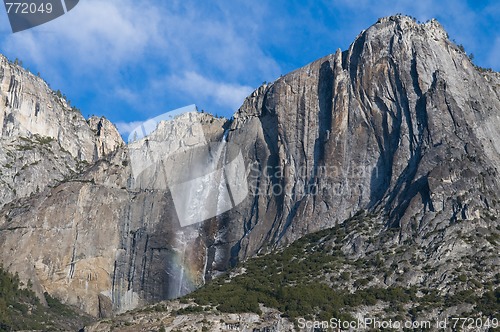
<point>127,95</point>
<point>125,128</point>
<point>113,30</point>
<point>94,34</point>
<point>121,49</point>
<point>224,94</point>
<point>143,57</point>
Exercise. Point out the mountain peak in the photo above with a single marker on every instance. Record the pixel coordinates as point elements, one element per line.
<point>401,126</point>
<point>406,23</point>
<point>385,35</point>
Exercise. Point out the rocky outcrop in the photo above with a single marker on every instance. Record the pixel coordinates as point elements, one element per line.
<point>108,242</point>
<point>401,124</point>
<point>30,107</point>
<point>370,128</point>
<point>106,139</point>
<point>44,140</point>
<point>173,316</point>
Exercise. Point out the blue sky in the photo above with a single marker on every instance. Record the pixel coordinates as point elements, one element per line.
<point>132,60</point>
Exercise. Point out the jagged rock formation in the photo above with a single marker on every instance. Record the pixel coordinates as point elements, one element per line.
<point>36,128</point>
<point>44,143</point>
<point>30,107</point>
<point>106,242</point>
<point>170,316</point>
<point>401,124</point>
<point>370,128</point>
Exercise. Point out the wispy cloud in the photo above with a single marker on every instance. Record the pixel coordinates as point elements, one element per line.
<point>125,128</point>
<point>96,34</point>
<point>127,46</point>
<point>133,59</point>
<point>197,86</point>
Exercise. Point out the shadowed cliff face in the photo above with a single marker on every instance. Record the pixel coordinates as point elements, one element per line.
<point>401,124</point>
<point>382,126</point>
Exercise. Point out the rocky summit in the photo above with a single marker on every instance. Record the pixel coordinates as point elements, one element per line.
<point>392,147</point>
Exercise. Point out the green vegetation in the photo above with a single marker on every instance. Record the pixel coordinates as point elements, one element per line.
<point>43,139</point>
<point>471,58</point>
<point>24,147</point>
<point>20,309</point>
<point>311,278</point>
<point>189,310</point>
<point>18,62</point>
<point>62,96</point>
<point>292,282</point>
<point>28,144</point>
<point>489,303</point>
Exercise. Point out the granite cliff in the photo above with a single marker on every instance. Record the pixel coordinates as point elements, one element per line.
<point>38,125</point>
<point>401,127</point>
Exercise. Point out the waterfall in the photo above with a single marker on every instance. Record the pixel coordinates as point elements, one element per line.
<point>224,136</point>
<point>211,194</point>
<point>182,264</point>
<point>180,273</point>
<point>222,186</point>
<point>205,264</point>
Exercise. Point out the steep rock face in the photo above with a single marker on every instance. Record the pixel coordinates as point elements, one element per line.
<point>30,107</point>
<point>401,124</point>
<point>106,139</point>
<point>108,241</point>
<point>29,165</point>
<point>38,128</point>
